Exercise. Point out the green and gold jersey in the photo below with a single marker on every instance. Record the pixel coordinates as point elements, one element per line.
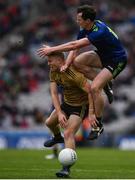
<point>72,82</point>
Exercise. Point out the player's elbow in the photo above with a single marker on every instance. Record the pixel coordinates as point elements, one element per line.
<point>81,43</point>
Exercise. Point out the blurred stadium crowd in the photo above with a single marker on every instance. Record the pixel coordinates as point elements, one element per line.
<point>24,26</point>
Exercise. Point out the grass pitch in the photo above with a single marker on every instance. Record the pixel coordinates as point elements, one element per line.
<point>91,164</point>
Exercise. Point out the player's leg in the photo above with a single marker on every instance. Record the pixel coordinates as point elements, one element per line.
<point>52,123</point>
<point>86,64</point>
<point>96,88</point>
<point>107,74</point>
<point>74,123</point>
<point>99,104</point>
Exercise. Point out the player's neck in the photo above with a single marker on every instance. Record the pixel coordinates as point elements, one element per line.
<point>89,26</point>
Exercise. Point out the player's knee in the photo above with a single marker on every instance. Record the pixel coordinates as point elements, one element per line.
<point>68,134</point>
<point>95,89</point>
<point>76,63</point>
<point>47,122</point>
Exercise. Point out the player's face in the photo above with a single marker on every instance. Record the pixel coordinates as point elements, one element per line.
<point>81,22</point>
<point>54,63</point>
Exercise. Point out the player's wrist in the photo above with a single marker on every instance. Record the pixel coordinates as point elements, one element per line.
<point>59,112</point>
<point>91,112</point>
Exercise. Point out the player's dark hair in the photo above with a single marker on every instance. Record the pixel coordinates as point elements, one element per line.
<point>88,12</point>
<point>57,54</point>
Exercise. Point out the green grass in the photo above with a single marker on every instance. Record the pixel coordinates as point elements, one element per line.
<point>92,163</point>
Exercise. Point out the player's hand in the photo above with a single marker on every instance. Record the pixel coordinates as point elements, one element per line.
<point>64,68</point>
<point>62,120</point>
<point>44,51</point>
<point>93,120</point>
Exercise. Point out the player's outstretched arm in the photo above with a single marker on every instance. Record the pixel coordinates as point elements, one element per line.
<point>56,102</point>
<point>73,45</point>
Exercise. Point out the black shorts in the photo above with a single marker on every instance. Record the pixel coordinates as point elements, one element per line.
<point>114,66</point>
<point>81,111</point>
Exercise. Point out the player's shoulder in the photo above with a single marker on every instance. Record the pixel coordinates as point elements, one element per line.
<point>98,26</point>
<point>98,29</point>
<point>100,23</point>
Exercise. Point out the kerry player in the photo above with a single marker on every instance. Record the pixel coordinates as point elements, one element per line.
<point>77,104</point>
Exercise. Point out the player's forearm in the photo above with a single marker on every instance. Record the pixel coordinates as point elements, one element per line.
<point>91,104</point>
<point>66,47</point>
<point>73,45</point>
<point>55,96</point>
<point>72,55</point>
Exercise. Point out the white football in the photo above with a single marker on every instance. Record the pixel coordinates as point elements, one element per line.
<point>67,157</point>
